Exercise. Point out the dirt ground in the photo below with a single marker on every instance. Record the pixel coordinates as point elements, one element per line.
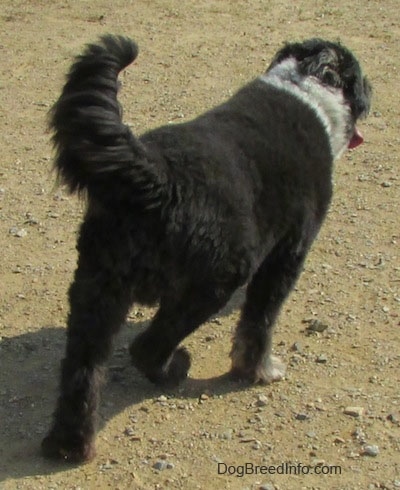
<point>333,423</point>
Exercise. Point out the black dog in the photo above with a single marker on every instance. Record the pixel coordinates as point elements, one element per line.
<point>187,213</point>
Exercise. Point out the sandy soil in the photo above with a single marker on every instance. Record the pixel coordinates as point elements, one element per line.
<point>193,55</point>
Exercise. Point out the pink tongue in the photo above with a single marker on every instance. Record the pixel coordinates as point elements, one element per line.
<point>356,139</point>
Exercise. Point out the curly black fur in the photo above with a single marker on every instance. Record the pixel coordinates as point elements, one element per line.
<point>187,213</point>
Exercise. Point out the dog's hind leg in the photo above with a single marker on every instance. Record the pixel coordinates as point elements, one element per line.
<point>99,303</point>
<point>252,343</point>
<point>155,352</point>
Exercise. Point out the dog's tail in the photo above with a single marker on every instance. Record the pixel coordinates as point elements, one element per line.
<point>94,148</point>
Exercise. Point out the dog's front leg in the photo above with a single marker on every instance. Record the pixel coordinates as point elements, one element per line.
<point>252,343</point>
<point>99,304</point>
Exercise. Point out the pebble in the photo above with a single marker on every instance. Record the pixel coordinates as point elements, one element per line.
<point>370,450</point>
<point>301,416</point>
<point>296,347</point>
<point>262,401</point>
<point>316,326</point>
<point>266,486</point>
<point>321,359</point>
<point>162,465</point>
<point>359,435</point>
<point>393,418</point>
<point>339,440</point>
<point>18,232</point>
<point>227,435</point>
<point>354,411</point>
<point>109,464</point>
<point>129,431</point>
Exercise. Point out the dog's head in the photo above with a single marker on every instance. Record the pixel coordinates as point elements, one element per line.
<point>334,66</point>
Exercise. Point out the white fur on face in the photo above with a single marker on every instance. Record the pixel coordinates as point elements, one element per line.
<point>327,103</point>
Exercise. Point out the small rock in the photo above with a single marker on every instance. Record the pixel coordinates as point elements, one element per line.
<point>204,397</point>
<point>353,455</point>
<point>301,416</point>
<point>108,465</point>
<point>296,347</point>
<point>162,465</point>
<point>321,359</point>
<point>129,431</point>
<point>318,462</point>
<point>30,219</point>
<point>354,411</point>
<point>392,418</point>
<point>246,440</point>
<point>315,326</point>
<point>162,399</point>
<point>262,401</point>
<point>227,435</point>
<point>370,450</point>
<point>359,435</point>
<point>266,486</point>
<point>18,232</point>
<point>339,440</point>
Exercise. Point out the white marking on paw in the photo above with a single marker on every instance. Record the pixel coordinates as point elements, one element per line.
<point>270,370</point>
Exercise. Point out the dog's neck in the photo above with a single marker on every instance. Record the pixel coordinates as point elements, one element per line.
<point>328,103</point>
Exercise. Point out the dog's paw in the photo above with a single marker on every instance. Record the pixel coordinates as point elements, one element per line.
<point>169,374</point>
<point>67,449</point>
<point>269,370</point>
<point>174,371</point>
<point>273,369</point>
<point>178,366</point>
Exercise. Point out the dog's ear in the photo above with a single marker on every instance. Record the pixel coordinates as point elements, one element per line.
<point>315,58</point>
<point>290,50</point>
<point>366,96</point>
<point>358,91</point>
<point>324,65</point>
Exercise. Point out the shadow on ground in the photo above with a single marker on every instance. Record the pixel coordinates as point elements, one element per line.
<point>28,390</point>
